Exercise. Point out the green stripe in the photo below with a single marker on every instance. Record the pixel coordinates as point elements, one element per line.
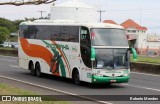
<point>66,59</point>
<point>63,71</point>
<point>97,79</point>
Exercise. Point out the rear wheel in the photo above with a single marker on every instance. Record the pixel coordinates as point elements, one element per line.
<point>32,70</point>
<point>38,70</point>
<point>76,77</point>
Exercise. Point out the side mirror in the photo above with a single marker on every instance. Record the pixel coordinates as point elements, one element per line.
<point>93,54</point>
<point>134,53</point>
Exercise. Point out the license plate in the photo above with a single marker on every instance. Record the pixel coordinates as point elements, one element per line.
<point>112,80</point>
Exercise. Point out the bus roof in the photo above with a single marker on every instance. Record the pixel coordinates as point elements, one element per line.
<point>71,23</point>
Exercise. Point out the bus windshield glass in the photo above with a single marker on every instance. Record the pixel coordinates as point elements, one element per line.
<point>108,37</point>
<point>111,59</point>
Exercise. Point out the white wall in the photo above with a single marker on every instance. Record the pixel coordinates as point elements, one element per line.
<point>74,10</point>
<point>73,13</point>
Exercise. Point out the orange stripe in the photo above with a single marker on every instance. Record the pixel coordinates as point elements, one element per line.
<point>36,50</point>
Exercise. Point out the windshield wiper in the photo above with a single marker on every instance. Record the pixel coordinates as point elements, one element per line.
<point>109,68</point>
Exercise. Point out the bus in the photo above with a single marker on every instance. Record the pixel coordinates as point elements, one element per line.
<point>89,52</point>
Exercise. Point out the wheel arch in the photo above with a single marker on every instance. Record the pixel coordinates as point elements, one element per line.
<point>30,63</point>
<point>37,62</point>
<point>74,69</point>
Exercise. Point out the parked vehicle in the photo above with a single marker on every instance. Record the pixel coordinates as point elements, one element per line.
<point>6,44</point>
<point>15,45</point>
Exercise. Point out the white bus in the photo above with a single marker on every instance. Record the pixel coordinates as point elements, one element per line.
<point>89,52</point>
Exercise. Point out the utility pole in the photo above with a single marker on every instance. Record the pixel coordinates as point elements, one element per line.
<point>100,12</point>
<point>41,13</point>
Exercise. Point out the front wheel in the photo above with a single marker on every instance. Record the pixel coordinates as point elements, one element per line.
<point>76,77</point>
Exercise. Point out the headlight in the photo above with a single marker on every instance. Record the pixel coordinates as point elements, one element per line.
<point>125,75</point>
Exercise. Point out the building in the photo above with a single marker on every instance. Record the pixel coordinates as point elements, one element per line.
<point>136,35</point>
<point>139,38</point>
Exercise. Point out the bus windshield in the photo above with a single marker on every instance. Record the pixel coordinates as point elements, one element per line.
<point>111,59</point>
<point>108,37</point>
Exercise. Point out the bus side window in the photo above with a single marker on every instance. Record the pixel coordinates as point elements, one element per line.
<point>74,34</point>
<point>24,31</point>
<point>55,33</point>
<point>64,33</point>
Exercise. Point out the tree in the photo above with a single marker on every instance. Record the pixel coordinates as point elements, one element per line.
<point>8,24</point>
<point>16,23</point>
<point>4,34</point>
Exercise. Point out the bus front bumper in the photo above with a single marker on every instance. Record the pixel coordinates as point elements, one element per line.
<point>99,79</point>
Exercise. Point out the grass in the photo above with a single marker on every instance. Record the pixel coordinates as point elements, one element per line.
<point>147,59</point>
<point>7,90</point>
<point>7,48</point>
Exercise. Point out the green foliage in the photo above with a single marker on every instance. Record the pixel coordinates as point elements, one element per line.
<point>8,24</point>
<point>16,23</point>
<point>147,59</point>
<point>4,34</point>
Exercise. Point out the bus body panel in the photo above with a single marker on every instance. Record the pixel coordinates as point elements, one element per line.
<point>69,56</point>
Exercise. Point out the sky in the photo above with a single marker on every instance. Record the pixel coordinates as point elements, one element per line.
<point>144,12</point>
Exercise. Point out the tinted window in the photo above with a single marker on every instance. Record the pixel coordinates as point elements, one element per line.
<point>109,37</point>
<point>21,30</point>
<point>74,34</point>
<point>112,58</point>
<point>57,33</point>
<point>43,32</point>
<point>64,33</point>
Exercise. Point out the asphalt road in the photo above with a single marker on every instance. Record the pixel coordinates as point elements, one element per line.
<point>139,84</point>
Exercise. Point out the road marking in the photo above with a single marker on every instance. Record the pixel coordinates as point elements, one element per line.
<point>153,89</point>
<point>60,91</point>
<point>146,74</point>
<point>7,60</point>
<point>13,66</point>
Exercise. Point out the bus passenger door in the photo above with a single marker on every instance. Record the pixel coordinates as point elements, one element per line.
<point>85,48</point>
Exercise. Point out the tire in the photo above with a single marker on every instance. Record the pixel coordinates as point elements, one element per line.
<point>38,70</point>
<point>76,77</point>
<point>32,70</point>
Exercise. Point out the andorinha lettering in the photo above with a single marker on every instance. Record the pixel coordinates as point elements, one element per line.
<point>55,46</point>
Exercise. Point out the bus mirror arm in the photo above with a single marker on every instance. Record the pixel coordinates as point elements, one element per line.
<point>93,54</point>
<point>134,53</point>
